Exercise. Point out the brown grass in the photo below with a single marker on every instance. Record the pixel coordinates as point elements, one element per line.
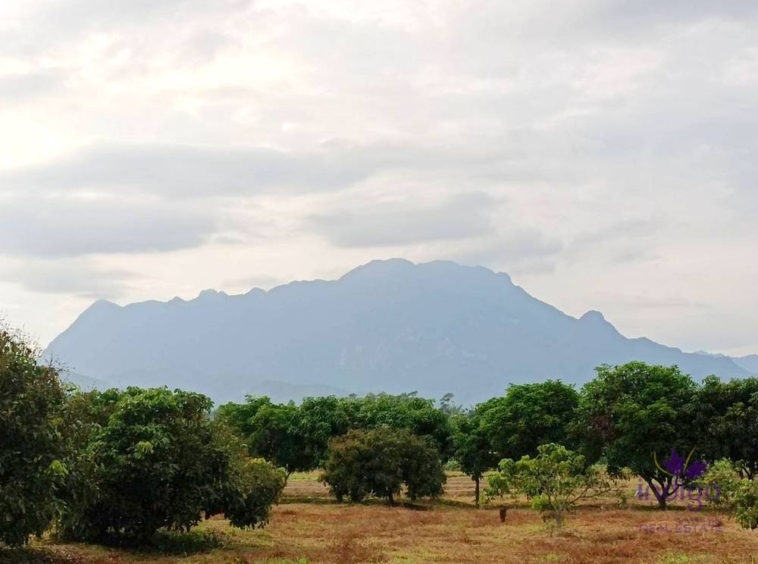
<point>448,532</point>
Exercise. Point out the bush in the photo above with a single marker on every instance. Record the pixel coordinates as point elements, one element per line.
<point>154,459</point>
<point>31,450</point>
<point>379,462</point>
<point>746,504</point>
<point>259,486</point>
<point>555,480</point>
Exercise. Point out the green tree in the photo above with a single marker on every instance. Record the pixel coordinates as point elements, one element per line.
<point>473,446</point>
<point>556,480</point>
<point>406,411</point>
<point>319,420</point>
<point>530,415</point>
<point>727,421</point>
<point>379,462</point>
<point>634,415</point>
<point>31,449</point>
<point>276,436</point>
<point>239,416</point>
<point>155,459</point>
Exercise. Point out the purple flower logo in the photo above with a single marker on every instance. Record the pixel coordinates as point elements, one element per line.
<point>679,467</point>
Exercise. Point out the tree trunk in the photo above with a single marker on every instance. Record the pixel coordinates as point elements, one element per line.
<point>476,491</point>
<point>392,500</point>
<point>663,494</point>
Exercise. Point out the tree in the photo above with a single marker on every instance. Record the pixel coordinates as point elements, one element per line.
<point>379,462</point>
<point>276,437</point>
<point>727,421</point>
<point>405,411</point>
<point>319,420</point>
<point>239,416</point>
<point>473,447</point>
<point>556,480</point>
<point>157,460</point>
<point>530,415</point>
<point>633,415</point>
<point>31,450</point>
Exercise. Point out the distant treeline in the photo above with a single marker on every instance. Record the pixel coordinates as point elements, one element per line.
<point>99,466</point>
<point>627,417</point>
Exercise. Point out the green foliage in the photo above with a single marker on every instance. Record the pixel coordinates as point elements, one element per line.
<point>727,417</point>
<point>276,437</point>
<point>720,483</point>
<point>258,486</point>
<point>378,462</point>
<point>239,416</point>
<point>405,411</point>
<point>31,449</point>
<point>746,504</point>
<point>154,459</point>
<point>297,437</point>
<point>555,480</point>
<point>635,413</point>
<point>472,446</point>
<point>529,415</point>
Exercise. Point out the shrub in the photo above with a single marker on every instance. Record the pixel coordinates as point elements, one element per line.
<point>746,504</point>
<point>258,486</point>
<point>379,462</point>
<point>555,480</point>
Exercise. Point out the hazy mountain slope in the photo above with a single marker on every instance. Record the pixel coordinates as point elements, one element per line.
<point>389,325</point>
<point>86,383</point>
<point>749,363</point>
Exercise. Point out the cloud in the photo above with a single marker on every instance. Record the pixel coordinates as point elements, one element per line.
<point>82,278</point>
<point>516,250</point>
<point>192,171</point>
<point>406,222</point>
<point>68,227</point>
<point>26,87</point>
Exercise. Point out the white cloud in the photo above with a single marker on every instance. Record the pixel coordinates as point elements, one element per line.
<point>584,146</point>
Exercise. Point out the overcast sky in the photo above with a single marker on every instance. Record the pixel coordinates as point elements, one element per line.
<point>602,152</point>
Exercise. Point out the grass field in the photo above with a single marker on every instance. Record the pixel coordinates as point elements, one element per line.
<point>308,527</point>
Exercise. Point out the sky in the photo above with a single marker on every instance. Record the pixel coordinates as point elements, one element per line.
<point>602,152</point>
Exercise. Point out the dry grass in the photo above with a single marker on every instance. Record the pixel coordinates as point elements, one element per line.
<point>448,532</point>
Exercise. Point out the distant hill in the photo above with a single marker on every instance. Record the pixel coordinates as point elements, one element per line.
<point>749,363</point>
<point>389,326</point>
<point>86,383</point>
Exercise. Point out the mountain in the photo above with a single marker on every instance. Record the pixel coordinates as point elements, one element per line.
<point>390,326</point>
<point>84,382</point>
<point>749,363</point>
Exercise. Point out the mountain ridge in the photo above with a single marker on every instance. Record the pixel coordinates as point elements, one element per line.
<point>391,326</point>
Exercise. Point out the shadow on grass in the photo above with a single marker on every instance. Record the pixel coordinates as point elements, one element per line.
<point>168,543</point>
<point>28,555</point>
<point>162,543</point>
<point>193,542</point>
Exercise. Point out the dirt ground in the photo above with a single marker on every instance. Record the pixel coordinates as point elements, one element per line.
<point>309,528</point>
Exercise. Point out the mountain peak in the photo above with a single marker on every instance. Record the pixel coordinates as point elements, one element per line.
<point>380,267</point>
<point>101,306</point>
<point>593,316</point>
<point>211,294</point>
